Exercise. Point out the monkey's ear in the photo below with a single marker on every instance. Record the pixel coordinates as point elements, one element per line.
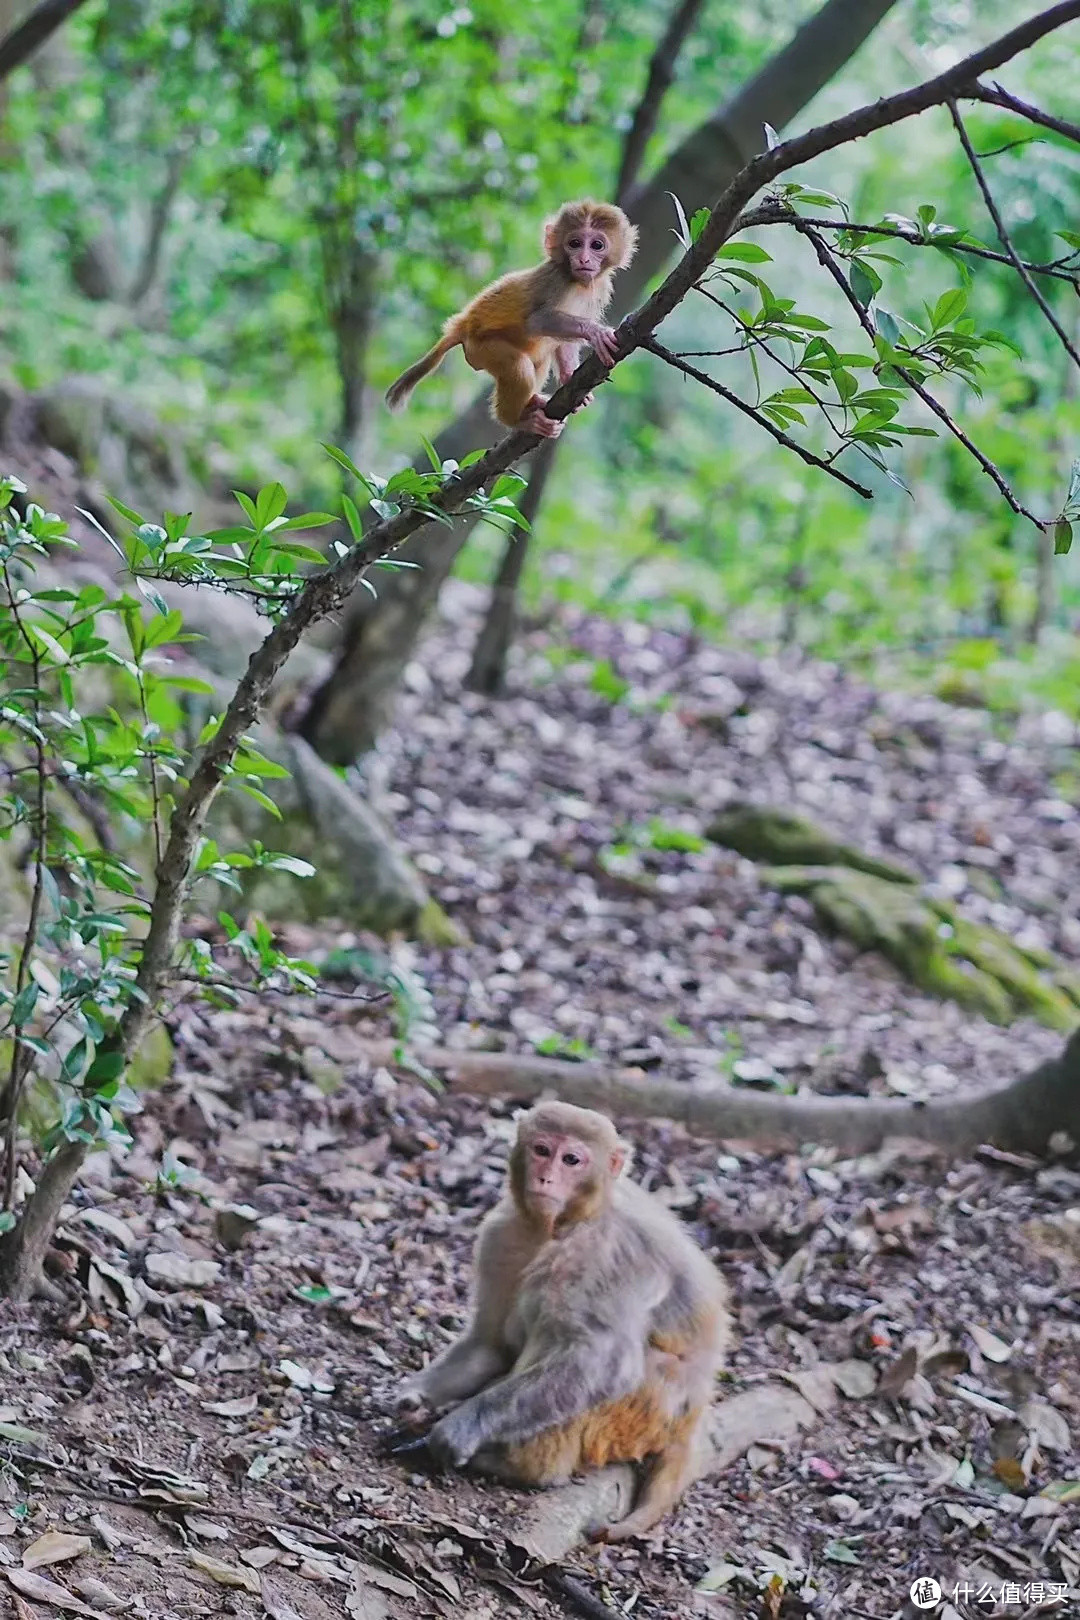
<point>551,236</point>
<point>617,1161</point>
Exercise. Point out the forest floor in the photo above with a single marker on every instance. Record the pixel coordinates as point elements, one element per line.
<point>226,1373</point>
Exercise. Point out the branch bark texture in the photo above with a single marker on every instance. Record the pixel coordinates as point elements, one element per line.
<point>33,31</point>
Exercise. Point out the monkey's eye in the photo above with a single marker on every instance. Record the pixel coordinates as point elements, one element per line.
<point>570,1158</point>
<point>574,242</point>
<point>599,245</point>
<point>541,1151</point>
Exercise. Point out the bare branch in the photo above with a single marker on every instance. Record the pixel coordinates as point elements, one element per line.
<point>779,214</point>
<point>1003,235</point>
<point>827,262</point>
<point>33,31</point>
<point>998,96</point>
<point>657,83</point>
<point>755,416</point>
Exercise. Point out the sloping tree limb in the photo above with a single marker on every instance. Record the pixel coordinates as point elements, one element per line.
<point>828,262</point>
<point>1022,1116</point>
<point>1003,235</point>
<point>33,31</point>
<point>782,439</point>
<point>350,708</point>
<point>23,1248</point>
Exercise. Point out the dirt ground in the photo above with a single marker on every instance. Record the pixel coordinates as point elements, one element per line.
<point>202,1397</point>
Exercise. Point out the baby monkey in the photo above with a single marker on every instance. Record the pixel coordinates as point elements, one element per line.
<point>598,1326</point>
<point>526,321</point>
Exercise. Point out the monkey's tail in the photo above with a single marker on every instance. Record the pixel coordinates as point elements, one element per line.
<point>399,391</point>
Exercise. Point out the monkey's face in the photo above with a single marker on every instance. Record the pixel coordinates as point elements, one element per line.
<point>587,253</point>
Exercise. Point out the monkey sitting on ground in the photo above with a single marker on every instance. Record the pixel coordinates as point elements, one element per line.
<point>598,1326</point>
<point>523,322</point>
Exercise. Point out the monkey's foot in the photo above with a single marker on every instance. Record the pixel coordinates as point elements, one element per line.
<point>534,419</point>
<point>626,1529</point>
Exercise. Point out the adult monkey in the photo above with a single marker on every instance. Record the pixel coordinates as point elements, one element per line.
<point>597,1329</point>
<point>529,320</point>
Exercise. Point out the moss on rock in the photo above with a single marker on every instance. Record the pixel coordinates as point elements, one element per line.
<point>784,839</point>
<point>933,946</point>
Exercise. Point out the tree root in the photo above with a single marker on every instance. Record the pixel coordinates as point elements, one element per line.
<point>1037,1113</point>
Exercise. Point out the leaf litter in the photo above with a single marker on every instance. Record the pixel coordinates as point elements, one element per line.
<point>903,1396</point>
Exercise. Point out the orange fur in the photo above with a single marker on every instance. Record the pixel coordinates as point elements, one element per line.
<point>502,330</point>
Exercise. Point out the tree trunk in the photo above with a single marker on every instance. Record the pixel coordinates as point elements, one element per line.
<point>487,672</point>
<point>22,1250</point>
<point>352,319</point>
<point>349,711</point>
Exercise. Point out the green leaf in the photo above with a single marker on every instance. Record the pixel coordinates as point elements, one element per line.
<point>24,1004</point>
<point>887,325</point>
<point>432,454</point>
<point>949,307</point>
<point>509,484</point>
<point>1062,537</point>
<point>48,643</point>
<point>698,222</point>
<point>188,683</point>
<point>259,796</point>
<point>746,252</point>
<point>106,1066</point>
<point>865,282</point>
<point>352,517</point>
<point>248,505</point>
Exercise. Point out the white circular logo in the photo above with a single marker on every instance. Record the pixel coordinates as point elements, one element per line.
<point>925,1592</point>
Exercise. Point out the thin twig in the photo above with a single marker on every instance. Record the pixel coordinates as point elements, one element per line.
<point>827,262</point>
<point>998,96</point>
<point>754,340</point>
<point>19,1052</point>
<point>755,416</point>
<point>1003,235</point>
<point>780,214</point>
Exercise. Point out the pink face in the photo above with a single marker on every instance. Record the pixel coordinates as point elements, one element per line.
<point>556,1167</point>
<point>586,251</point>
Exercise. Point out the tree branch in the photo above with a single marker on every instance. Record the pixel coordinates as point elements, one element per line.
<point>755,416</point>
<point>827,262</point>
<point>778,214</point>
<point>658,82</point>
<point>33,31</point>
<point>22,1249</point>
<point>998,96</point>
<point>1003,235</point>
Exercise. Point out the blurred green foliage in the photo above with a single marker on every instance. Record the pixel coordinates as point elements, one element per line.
<point>332,177</point>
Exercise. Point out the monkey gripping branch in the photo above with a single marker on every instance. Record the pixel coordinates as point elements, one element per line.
<point>297,605</point>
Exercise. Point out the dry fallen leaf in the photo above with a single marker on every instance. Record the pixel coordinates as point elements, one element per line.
<point>101,1596</point>
<point>989,1345</point>
<point>54,1547</point>
<point>179,1271</point>
<point>275,1605</point>
<point>43,1591</point>
<point>225,1574</point>
<point>239,1406</point>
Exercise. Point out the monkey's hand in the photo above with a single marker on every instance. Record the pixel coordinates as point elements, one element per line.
<point>453,1440</point>
<point>605,341</point>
